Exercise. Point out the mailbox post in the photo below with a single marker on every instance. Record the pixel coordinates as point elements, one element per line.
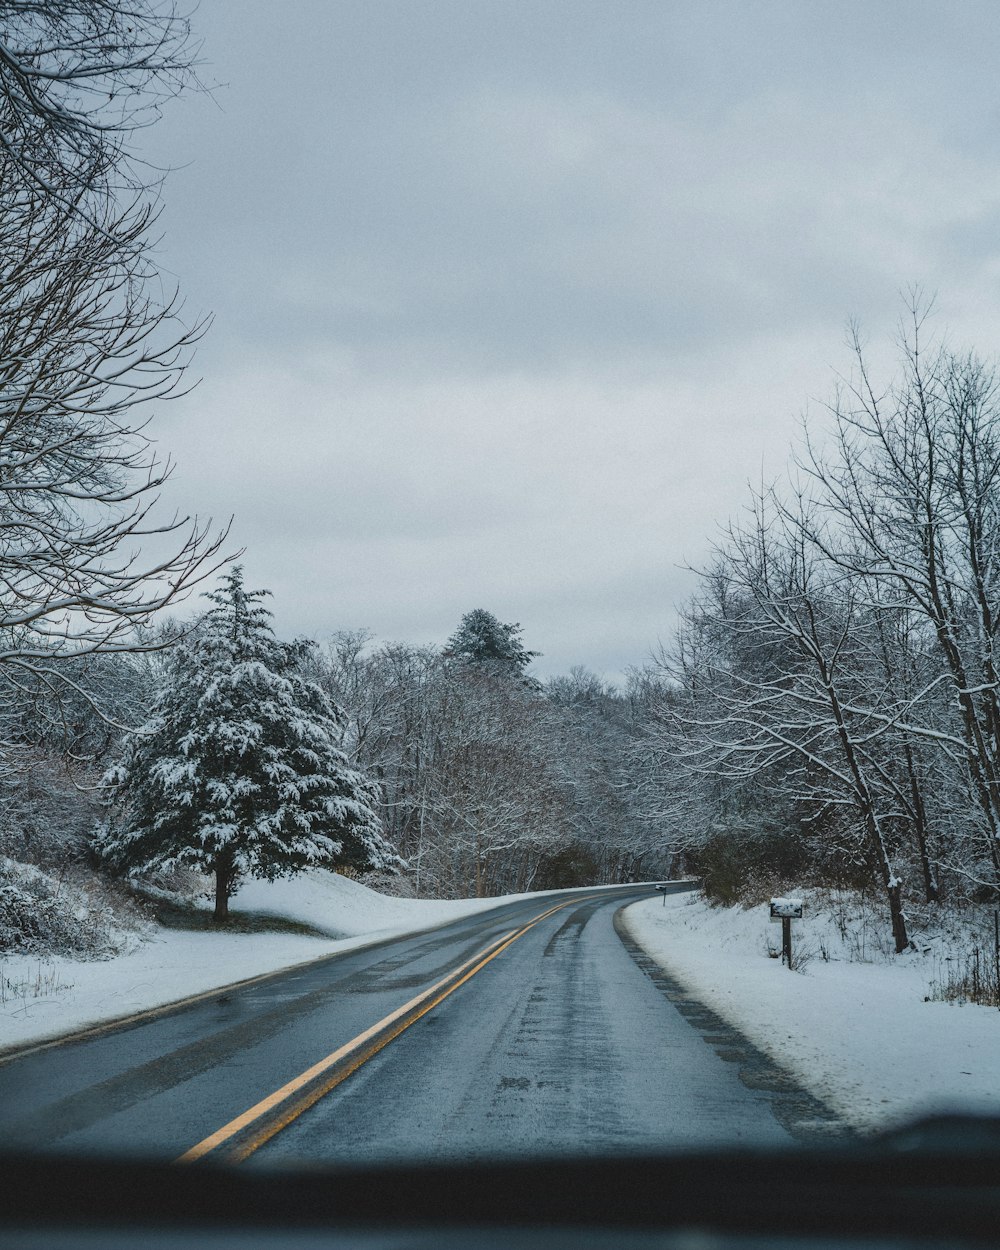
<point>663,890</point>
<point>786,910</point>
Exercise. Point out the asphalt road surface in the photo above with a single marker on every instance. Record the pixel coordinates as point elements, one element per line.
<point>530,1028</point>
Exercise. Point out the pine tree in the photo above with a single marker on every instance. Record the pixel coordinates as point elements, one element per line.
<point>239,772</point>
<point>483,640</point>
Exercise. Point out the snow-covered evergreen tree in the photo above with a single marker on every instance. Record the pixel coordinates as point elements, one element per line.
<point>483,640</point>
<point>239,772</point>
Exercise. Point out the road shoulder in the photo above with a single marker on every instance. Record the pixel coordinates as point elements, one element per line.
<point>807,1118</point>
<point>864,1037</point>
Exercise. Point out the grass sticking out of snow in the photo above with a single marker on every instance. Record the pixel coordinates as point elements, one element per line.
<point>47,980</point>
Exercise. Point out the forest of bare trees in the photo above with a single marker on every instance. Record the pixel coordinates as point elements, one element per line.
<point>491,783</point>
<point>831,706</point>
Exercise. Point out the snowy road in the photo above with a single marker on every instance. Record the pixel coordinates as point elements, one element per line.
<point>529,1027</point>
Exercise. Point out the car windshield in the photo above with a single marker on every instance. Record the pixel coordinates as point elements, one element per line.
<point>567,748</point>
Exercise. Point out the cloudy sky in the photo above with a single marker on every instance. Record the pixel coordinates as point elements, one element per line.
<point>513,297</point>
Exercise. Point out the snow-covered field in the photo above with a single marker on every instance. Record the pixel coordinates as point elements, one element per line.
<point>859,1035</point>
<point>44,997</point>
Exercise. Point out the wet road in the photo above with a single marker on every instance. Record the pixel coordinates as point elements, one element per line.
<point>528,1028</point>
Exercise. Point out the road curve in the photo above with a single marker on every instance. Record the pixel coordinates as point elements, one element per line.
<point>527,1028</point>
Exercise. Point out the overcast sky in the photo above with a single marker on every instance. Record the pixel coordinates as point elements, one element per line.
<point>513,298</point>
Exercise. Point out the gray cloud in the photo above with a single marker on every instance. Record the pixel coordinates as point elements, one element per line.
<point>512,298</point>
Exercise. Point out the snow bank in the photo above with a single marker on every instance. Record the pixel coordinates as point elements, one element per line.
<point>43,997</point>
<point>344,908</point>
<point>859,1035</point>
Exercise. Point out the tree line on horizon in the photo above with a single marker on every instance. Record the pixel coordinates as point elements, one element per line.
<point>432,771</point>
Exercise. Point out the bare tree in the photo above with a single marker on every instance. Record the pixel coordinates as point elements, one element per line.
<point>87,344</point>
<point>87,557</point>
<point>841,658</point>
<point>913,483</point>
<point>77,79</point>
<point>791,701</point>
<point>467,755</point>
<point>591,730</point>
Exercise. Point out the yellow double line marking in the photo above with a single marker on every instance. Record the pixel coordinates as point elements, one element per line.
<point>279,1109</point>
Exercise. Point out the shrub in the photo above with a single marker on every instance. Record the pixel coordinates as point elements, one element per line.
<point>43,914</point>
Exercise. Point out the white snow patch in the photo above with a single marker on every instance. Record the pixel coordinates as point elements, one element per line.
<point>345,908</point>
<point>44,997</point>
<point>858,1035</point>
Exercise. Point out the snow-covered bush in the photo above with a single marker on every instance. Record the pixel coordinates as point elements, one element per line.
<point>40,913</point>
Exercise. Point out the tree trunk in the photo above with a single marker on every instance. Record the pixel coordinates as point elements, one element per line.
<point>865,803</point>
<point>223,885</point>
<point>931,894</point>
<point>894,892</point>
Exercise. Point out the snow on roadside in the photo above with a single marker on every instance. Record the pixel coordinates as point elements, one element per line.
<point>44,996</point>
<point>344,908</point>
<point>858,1035</point>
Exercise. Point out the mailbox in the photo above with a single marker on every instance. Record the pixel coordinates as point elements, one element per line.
<point>786,909</point>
